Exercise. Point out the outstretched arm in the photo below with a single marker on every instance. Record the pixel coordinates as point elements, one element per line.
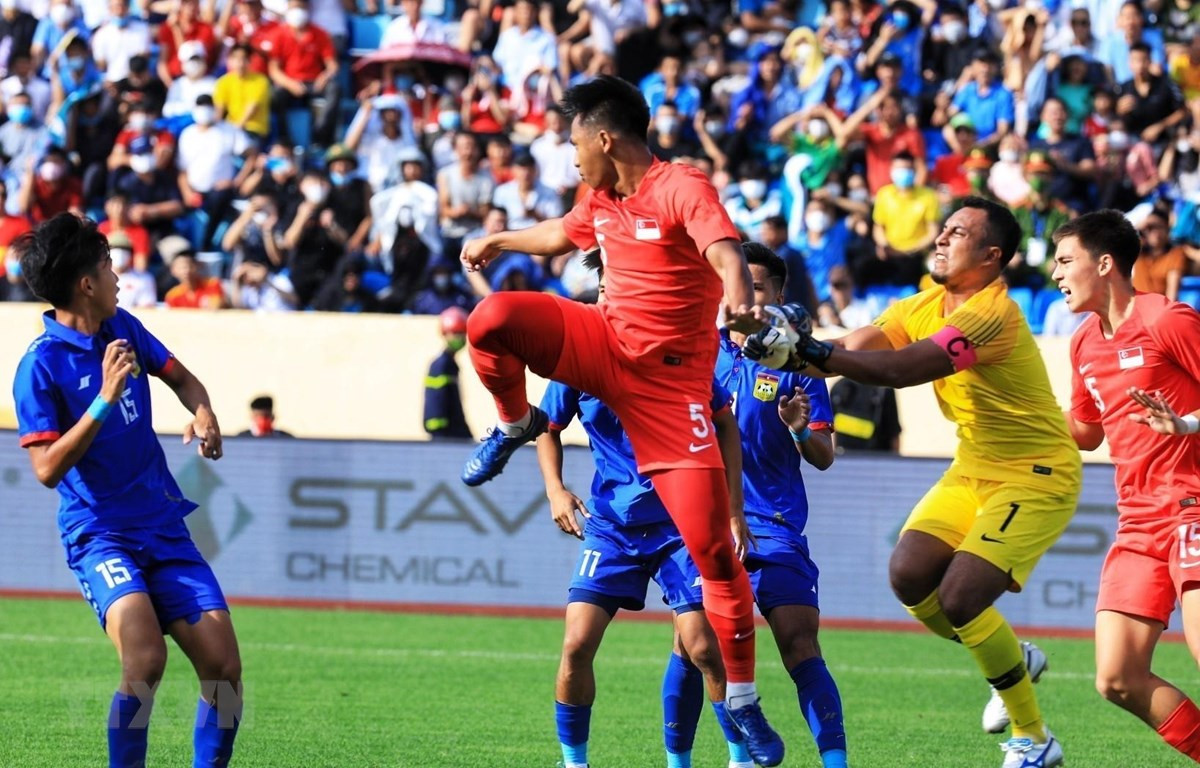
<point>549,238</point>
<point>563,503</point>
<point>727,259</point>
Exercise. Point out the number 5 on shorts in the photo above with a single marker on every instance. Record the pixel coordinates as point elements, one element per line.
<point>697,410</point>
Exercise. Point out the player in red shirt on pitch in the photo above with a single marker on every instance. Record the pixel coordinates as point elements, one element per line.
<point>1134,344</point>
<point>648,352</point>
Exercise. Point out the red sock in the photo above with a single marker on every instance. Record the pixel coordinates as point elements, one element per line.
<point>1181,729</point>
<point>698,502</point>
<point>509,331</point>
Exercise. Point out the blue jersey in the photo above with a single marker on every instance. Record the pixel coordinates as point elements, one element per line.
<point>771,477</point>
<point>122,481</point>
<point>619,493</point>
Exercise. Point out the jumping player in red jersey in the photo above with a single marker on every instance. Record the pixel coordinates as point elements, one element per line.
<point>1133,345</point>
<point>648,352</point>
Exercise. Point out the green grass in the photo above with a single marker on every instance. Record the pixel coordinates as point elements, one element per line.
<point>354,690</point>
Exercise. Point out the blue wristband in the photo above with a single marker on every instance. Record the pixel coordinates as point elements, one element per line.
<point>99,409</point>
<point>801,436</point>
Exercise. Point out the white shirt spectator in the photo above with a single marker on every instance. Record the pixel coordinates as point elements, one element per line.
<point>115,46</point>
<point>1060,320</point>
<point>541,199</point>
<point>23,144</point>
<point>181,96</point>
<point>94,12</point>
<point>330,15</point>
<point>519,53</point>
<point>556,162</point>
<point>37,88</point>
<point>137,289</point>
<point>207,155</point>
<point>268,296</point>
<point>400,31</point>
<point>414,199</point>
<point>608,17</point>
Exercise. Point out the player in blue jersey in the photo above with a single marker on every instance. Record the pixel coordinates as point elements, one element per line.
<point>83,408</point>
<point>784,418</point>
<point>627,540</point>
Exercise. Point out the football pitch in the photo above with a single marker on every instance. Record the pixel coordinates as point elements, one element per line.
<point>357,689</point>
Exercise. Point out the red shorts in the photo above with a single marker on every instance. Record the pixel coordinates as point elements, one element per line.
<point>1147,571</point>
<point>661,399</point>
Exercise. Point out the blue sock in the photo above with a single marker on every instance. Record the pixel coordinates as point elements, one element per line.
<point>733,737</point>
<point>821,706</point>
<point>574,724</point>
<point>683,700</point>
<point>128,726</point>
<point>213,738</point>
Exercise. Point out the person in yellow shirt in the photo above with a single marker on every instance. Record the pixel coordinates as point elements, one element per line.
<point>1015,479</point>
<point>905,214</point>
<point>1185,71</point>
<point>243,96</point>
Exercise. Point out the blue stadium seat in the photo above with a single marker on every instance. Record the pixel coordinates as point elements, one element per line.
<point>1024,299</point>
<point>366,32</point>
<point>1192,281</point>
<point>300,126</point>
<point>1041,304</point>
<point>1190,296</point>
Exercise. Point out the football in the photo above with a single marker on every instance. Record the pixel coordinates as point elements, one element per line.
<point>779,339</point>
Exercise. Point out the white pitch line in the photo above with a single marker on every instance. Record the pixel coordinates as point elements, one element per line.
<point>436,653</point>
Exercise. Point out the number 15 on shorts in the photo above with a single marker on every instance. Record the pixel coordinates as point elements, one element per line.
<point>113,572</point>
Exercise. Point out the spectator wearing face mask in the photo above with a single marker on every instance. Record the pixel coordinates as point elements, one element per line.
<point>906,217</point>
<point>667,139</point>
<point>11,228</point>
<point>49,188</point>
<point>753,201</point>
<point>303,65</point>
<point>61,20</point>
<point>824,244</point>
<point>136,286</point>
<point>315,254</point>
<point>444,417</point>
<point>184,25</point>
<point>23,138</point>
<point>411,203</point>
<point>23,79</point>
<point>154,199</point>
<point>275,174</point>
<point>118,224</point>
<point>262,419</point>
<point>250,28</point>
<point>349,199</point>
<point>118,40</point>
<point>140,132</point>
<point>192,84</point>
<point>73,75</point>
<point>256,236</point>
<point>443,292</point>
<point>808,136</point>
<point>951,48</point>
<point>208,159</point>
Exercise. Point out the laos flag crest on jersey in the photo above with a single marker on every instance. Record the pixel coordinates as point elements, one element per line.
<point>766,386</point>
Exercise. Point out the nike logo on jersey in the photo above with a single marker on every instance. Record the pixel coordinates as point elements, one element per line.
<point>599,222</point>
<point>85,382</point>
<point>985,537</point>
<point>697,448</point>
<point>1188,565</point>
<point>1083,369</point>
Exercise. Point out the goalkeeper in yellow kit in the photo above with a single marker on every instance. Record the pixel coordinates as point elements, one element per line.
<point>1015,479</point>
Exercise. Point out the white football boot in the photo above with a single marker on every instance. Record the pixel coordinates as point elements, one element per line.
<point>1024,753</point>
<point>995,714</point>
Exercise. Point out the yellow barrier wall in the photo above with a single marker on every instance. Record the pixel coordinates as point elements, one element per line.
<point>362,376</point>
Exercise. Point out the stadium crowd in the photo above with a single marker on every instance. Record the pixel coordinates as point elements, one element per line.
<point>334,155</point>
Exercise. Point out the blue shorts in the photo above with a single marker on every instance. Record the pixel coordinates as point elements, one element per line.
<point>616,564</point>
<point>782,573</point>
<point>163,562</point>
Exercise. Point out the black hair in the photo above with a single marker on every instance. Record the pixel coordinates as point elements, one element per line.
<point>1140,47</point>
<point>1002,230</point>
<point>262,403</point>
<point>1106,231</point>
<point>779,222</point>
<point>59,252</point>
<point>757,253</point>
<point>905,156</point>
<point>610,103</point>
<point>592,260</point>
<point>243,48</point>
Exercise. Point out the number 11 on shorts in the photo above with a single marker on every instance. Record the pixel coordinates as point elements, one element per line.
<point>586,568</point>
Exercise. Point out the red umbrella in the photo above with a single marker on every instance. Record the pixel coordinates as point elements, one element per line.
<point>436,59</point>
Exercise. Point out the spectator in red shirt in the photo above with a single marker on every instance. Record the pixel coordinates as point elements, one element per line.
<point>182,25</point>
<point>249,27</point>
<point>949,172</point>
<point>884,139</point>
<point>302,65</point>
<point>116,208</point>
<point>49,188</point>
<point>141,135</point>
<point>196,290</point>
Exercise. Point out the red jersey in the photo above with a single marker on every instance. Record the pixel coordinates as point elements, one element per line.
<point>881,149</point>
<point>254,35</point>
<point>661,294</point>
<point>1156,349</point>
<point>301,54</point>
<point>168,47</point>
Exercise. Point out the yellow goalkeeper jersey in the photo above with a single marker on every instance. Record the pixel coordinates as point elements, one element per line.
<point>1010,427</point>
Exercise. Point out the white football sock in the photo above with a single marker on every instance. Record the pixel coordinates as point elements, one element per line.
<point>740,694</point>
<point>517,429</point>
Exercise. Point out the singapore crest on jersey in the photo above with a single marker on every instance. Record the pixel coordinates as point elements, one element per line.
<point>766,386</point>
